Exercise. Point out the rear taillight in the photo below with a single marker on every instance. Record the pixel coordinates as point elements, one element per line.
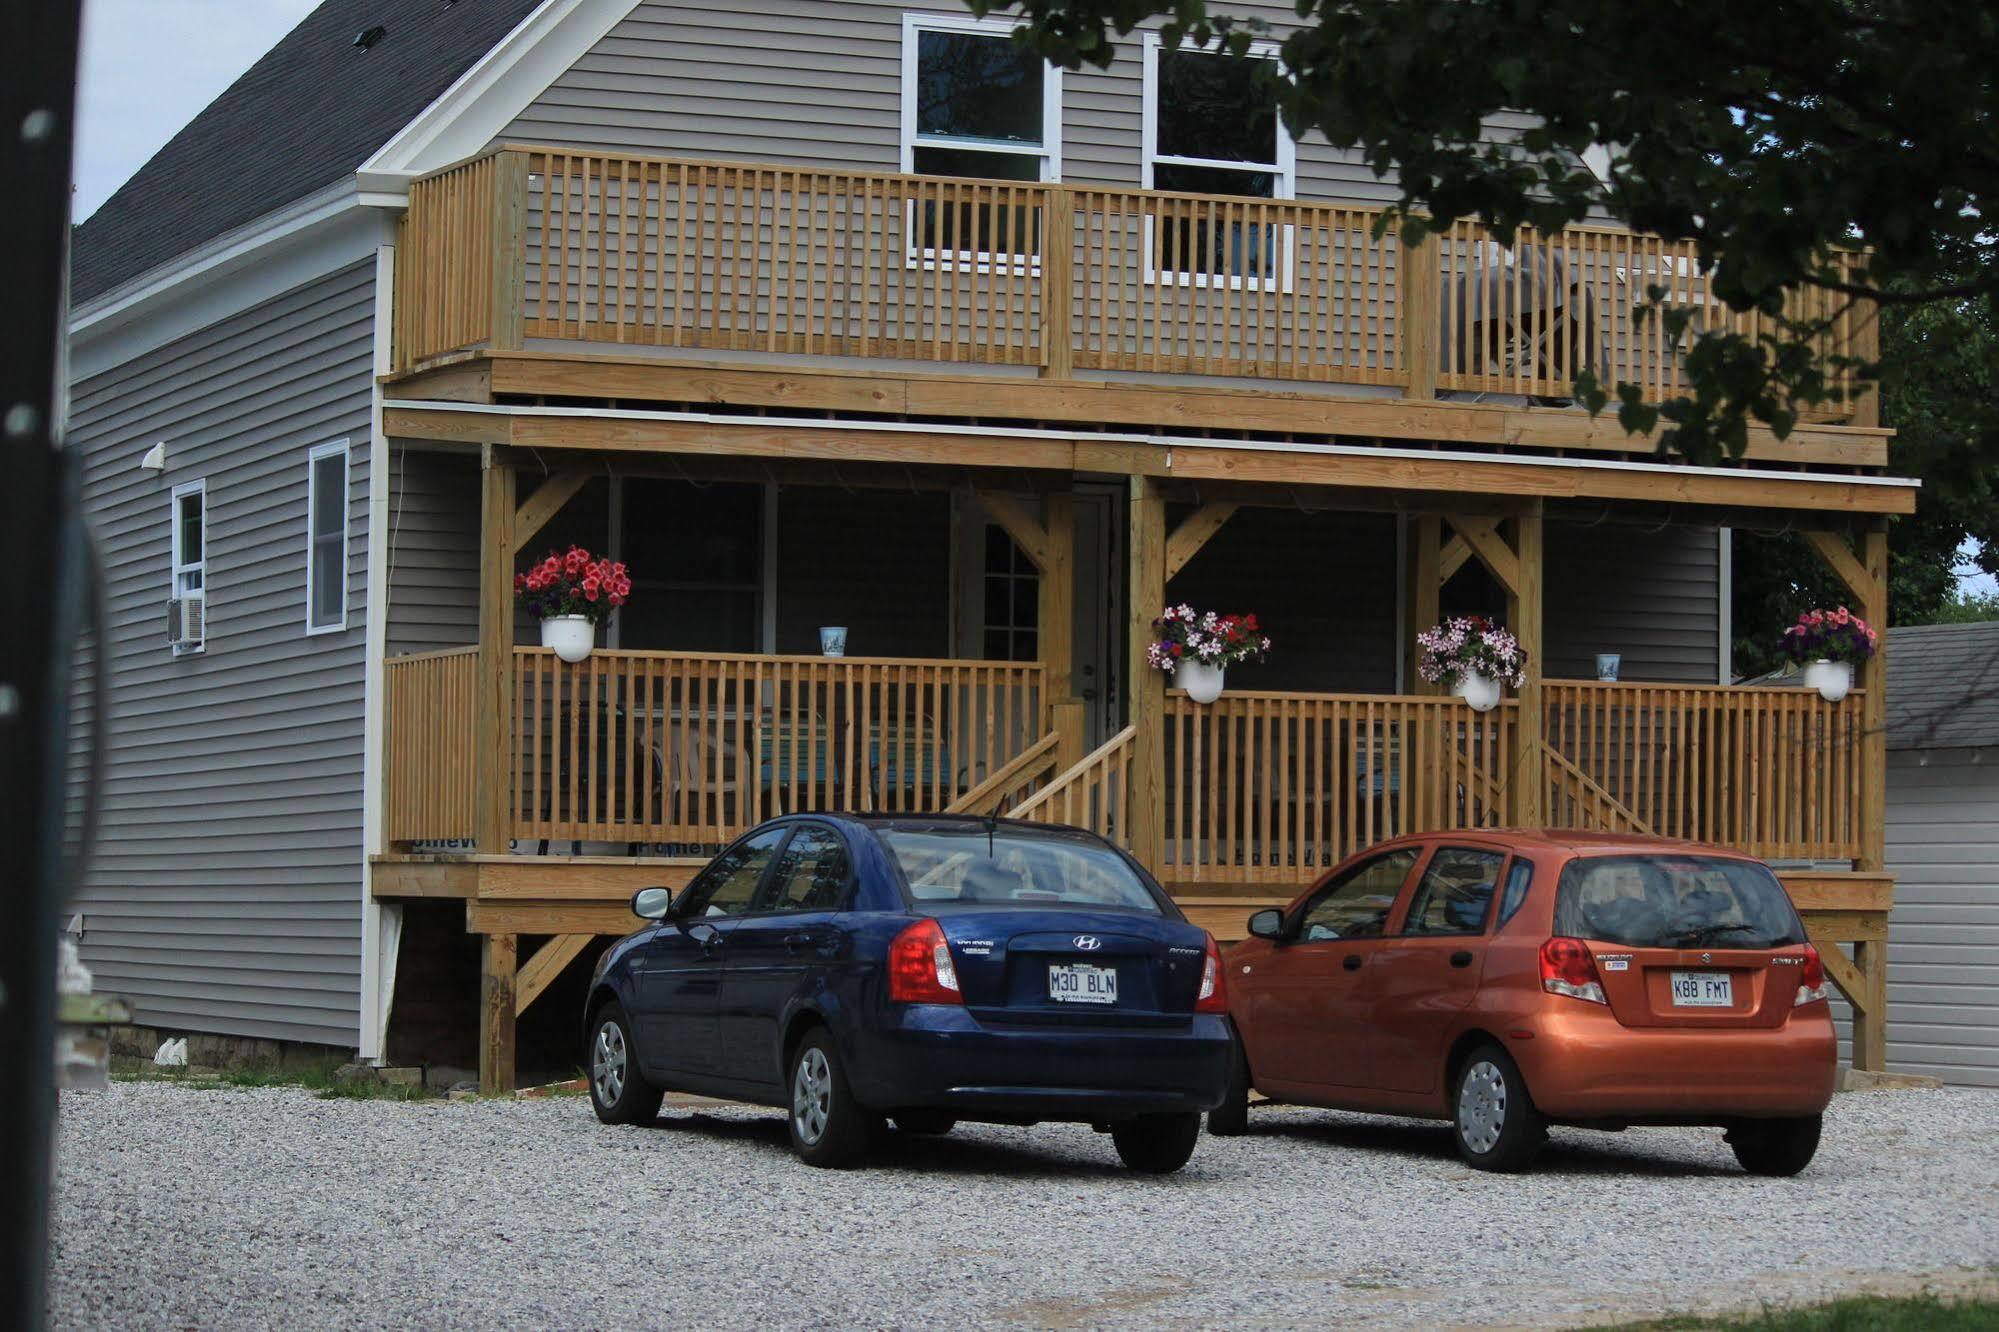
<point>1567,968</point>
<point>1811,979</point>
<point>1214,997</point>
<point>920,969</point>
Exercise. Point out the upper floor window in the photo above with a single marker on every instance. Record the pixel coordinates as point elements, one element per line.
<point>976,103</point>
<point>326,539</point>
<point>187,602</point>
<point>1211,128</point>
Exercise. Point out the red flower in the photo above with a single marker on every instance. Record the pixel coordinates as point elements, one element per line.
<point>590,592</point>
<point>520,583</point>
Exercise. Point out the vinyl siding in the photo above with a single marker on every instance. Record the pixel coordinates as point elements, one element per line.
<point>1943,935</point>
<point>433,551</point>
<point>811,83</point>
<point>225,891</point>
<point>1651,594</point>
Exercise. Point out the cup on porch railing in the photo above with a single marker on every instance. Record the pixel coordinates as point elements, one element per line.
<point>832,640</point>
<point>1606,666</point>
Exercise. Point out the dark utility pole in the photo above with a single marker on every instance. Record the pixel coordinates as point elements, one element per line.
<point>38,40</point>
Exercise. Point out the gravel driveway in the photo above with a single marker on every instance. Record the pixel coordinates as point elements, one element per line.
<point>180,1207</point>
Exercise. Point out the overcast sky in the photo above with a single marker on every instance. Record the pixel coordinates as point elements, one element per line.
<point>149,65</point>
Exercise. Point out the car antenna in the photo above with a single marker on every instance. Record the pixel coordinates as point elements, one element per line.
<point>992,822</point>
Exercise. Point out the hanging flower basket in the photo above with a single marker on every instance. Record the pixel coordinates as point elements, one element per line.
<point>1475,656</point>
<point>571,594</point>
<point>1827,645</point>
<point>1198,647</point>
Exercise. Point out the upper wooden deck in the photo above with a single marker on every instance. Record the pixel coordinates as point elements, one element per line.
<point>1030,283</point>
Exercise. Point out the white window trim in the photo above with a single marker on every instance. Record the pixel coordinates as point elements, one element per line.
<point>1049,150</point>
<point>1285,168</point>
<point>174,566</point>
<point>339,446</point>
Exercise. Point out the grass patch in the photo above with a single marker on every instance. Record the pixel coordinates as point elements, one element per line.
<point>1861,1313</point>
<point>313,1076</point>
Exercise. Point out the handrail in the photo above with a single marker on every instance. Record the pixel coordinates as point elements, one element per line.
<point>1093,793</point>
<point>1030,764</point>
<point>541,242</point>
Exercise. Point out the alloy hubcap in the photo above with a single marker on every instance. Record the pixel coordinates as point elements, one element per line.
<point>811,1095</point>
<point>1482,1106</point>
<point>607,1063</point>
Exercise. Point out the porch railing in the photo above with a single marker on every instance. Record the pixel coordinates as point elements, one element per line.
<point>1094,793</point>
<point>1275,787</point>
<point>617,248</point>
<point>428,776</point>
<point>1774,772</point>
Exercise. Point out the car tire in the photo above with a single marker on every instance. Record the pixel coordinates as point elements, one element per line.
<point>1493,1118</point>
<point>1230,1119</point>
<point>1778,1147</point>
<point>1157,1144</point>
<point>828,1127</point>
<point>619,1092</point>
<point>924,1123</point>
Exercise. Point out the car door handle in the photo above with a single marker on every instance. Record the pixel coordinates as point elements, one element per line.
<point>798,943</point>
<point>1461,958</point>
<point>1351,961</point>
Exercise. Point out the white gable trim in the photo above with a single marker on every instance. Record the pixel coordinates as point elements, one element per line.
<point>490,95</point>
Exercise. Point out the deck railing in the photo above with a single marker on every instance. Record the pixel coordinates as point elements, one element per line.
<point>625,249</point>
<point>1094,793</point>
<point>428,703</point>
<point>1774,772</point>
<point>1277,787</point>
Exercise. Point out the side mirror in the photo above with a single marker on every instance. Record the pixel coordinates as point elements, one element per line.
<point>652,903</point>
<point>1267,923</point>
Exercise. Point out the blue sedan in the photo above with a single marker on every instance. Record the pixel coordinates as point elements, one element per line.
<point>917,970</point>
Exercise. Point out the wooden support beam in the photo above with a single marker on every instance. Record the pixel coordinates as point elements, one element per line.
<point>1873,809</point>
<point>493,707</point>
<point>497,954</point>
<point>1056,610</point>
<point>1029,535</point>
<point>1193,533</point>
<point>1420,286</point>
<point>1481,538</point>
<point>546,502</point>
<point>1870,1006</point>
<point>547,963</point>
<point>509,250</point>
<point>1452,558</point>
<point>1058,250</point>
<point>1524,618</point>
<point>1426,587</point>
<point>1145,686</point>
<point>1839,557</point>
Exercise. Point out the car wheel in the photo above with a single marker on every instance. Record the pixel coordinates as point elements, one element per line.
<point>828,1127</point>
<point>1493,1118</point>
<point>619,1093</point>
<point>1776,1146</point>
<point>928,1123</point>
<point>1230,1119</point>
<point>1157,1144</point>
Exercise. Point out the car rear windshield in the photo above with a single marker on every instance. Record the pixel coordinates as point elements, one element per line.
<point>970,865</point>
<point>1665,901</point>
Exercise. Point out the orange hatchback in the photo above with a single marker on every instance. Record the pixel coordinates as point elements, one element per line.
<point>1506,980</point>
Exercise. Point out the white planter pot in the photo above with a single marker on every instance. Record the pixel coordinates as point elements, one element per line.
<point>572,636</point>
<point>1831,678</point>
<point>1481,691</point>
<point>1202,682</point>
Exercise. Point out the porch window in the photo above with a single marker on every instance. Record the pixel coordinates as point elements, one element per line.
<point>975,103</point>
<point>1012,601</point>
<point>187,603</point>
<point>326,539</point>
<point>1211,128</point>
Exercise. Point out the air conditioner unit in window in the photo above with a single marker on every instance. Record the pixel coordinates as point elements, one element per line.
<point>184,622</point>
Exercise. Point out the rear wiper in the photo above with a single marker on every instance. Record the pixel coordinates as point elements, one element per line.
<point>1709,933</point>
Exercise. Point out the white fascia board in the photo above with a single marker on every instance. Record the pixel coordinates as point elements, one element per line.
<point>318,235</point>
<point>490,95</point>
<point>1166,442</point>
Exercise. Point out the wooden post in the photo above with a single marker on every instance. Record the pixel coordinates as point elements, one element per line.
<point>509,241</point>
<point>1524,613</point>
<point>1867,346</point>
<point>1058,249</point>
<point>497,957</point>
<point>1874,706</point>
<point>1145,687</point>
<point>1870,1006</point>
<point>494,698</point>
<point>1426,589</point>
<point>1056,626</point>
<point>1419,312</point>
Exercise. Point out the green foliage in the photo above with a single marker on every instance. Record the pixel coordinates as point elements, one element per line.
<point>1766,134</point>
<point>1967,608</point>
<point>1866,1313</point>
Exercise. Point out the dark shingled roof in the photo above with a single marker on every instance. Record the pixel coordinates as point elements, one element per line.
<point>1943,686</point>
<point>313,109</point>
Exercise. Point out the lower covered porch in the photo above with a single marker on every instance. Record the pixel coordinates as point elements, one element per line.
<point>998,619</point>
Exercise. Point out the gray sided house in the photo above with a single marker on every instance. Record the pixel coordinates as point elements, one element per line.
<point>843,313</point>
